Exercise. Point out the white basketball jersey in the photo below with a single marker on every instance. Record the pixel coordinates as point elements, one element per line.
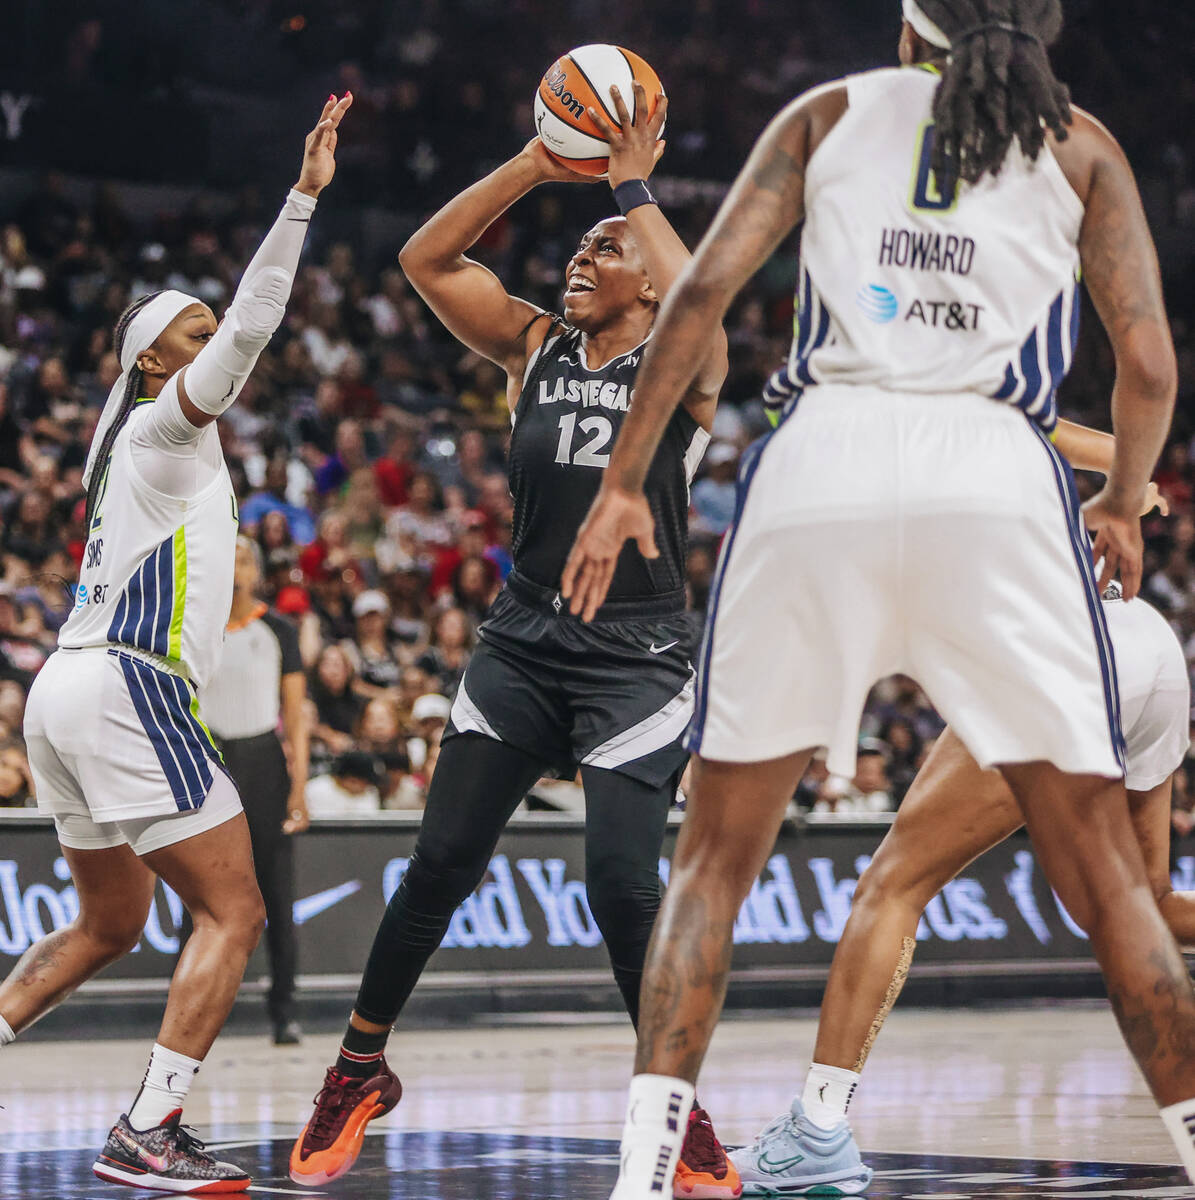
<point>157,570</point>
<point>911,290</point>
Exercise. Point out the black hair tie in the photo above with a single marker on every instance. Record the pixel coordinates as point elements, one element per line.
<point>989,26</point>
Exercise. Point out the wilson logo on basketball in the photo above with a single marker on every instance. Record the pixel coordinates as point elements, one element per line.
<point>554,81</point>
<point>574,84</point>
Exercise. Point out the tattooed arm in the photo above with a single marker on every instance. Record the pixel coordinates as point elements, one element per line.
<point>1120,266</point>
<point>767,200</point>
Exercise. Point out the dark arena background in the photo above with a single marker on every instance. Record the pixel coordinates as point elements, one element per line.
<point>147,144</point>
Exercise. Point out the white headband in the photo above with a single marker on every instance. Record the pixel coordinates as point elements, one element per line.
<point>144,329</point>
<point>923,26</point>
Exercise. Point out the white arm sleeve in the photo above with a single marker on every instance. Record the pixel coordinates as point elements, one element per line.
<point>215,378</point>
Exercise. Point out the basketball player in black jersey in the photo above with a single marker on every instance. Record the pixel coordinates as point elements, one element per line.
<point>545,692</point>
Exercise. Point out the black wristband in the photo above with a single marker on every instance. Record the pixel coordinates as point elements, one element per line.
<point>632,193</point>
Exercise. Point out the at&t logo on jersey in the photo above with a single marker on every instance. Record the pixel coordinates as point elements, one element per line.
<point>881,306</point>
<point>877,303</point>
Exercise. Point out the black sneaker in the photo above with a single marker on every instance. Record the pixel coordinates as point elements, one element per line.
<point>167,1158</point>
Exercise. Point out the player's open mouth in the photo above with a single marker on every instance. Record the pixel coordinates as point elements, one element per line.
<point>578,284</point>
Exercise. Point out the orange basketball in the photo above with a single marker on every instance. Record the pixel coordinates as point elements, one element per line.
<point>580,80</point>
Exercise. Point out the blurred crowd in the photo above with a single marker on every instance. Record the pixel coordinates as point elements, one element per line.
<point>367,450</point>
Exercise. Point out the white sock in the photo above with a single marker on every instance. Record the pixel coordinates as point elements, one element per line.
<point>1179,1119</point>
<point>164,1088</point>
<point>827,1095</point>
<point>657,1120</point>
<point>6,1033</point>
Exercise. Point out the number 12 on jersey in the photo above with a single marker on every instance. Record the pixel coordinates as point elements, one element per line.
<point>589,453</point>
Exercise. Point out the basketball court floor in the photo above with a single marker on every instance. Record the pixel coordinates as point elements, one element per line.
<point>1036,1101</point>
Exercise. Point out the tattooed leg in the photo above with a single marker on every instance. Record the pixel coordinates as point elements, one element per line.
<point>114,892</point>
<point>730,828</point>
<point>1084,840</point>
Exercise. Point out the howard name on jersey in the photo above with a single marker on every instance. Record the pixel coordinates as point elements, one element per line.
<point>157,570</point>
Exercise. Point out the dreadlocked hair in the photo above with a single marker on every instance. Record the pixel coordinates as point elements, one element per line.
<point>132,391</point>
<point>997,84</point>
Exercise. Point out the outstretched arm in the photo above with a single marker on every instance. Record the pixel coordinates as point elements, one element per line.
<point>767,200</point>
<point>212,382</point>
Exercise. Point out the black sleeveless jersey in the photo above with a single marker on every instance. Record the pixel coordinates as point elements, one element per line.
<point>566,421</point>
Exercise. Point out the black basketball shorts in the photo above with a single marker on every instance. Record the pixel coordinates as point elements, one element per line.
<point>616,694</point>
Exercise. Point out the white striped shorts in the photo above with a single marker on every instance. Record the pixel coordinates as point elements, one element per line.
<point>939,537</point>
<point>114,738</point>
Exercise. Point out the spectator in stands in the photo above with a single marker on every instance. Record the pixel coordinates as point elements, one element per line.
<point>271,498</point>
<point>350,790</point>
<point>378,667</point>
<point>22,653</point>
<point>30,533</point>
<point>349,456</point>
<point>713,495</point>
<point>904,747</point>
<point>422,517</point>
<point>451,645</point>
<point>338,707</point>
<point>16,780</point>
<point>380,735</point>
<point>429,716</point>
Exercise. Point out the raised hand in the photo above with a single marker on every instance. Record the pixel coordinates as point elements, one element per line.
<point>319,150</point>
<point>635,146</point>
<point>549,169</point>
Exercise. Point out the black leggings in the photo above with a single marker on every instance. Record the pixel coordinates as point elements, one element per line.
<point>477,785</point>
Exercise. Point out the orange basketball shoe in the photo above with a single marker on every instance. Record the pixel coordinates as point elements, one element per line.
<point>704,1172</point>
<point>331,1140</point>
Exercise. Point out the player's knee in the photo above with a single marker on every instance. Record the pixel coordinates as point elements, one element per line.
<point>622,896</point>
<point>256,917</point>
<point>441,875</point>
<point>886,882</point>
<point>244,921</point>
<point>719,866</point>
<point>115,938</point>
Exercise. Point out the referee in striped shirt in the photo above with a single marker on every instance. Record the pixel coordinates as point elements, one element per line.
<point>260,678</point>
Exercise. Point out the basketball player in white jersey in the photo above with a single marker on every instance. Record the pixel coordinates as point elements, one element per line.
<point>120,757</point>
<point>911,514</point>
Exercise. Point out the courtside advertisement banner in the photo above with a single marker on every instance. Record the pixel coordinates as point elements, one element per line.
<point>531,914</point>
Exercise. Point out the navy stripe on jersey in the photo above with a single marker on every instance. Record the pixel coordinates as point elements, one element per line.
<point>813,328</point>
<point>750,464</point>
<point>1081,547</point>
<point>163,705</point>
<point>146,606</point>
<point>1032,381</point>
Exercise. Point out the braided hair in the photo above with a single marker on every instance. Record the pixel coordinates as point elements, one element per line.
<point>132,391</point>
<point>997,84</point>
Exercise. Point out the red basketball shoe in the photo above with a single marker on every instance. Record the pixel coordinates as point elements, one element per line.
<point>704,1172</point>
<point>331,1140</point>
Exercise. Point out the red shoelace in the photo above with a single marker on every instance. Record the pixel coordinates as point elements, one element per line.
<point>330,1104</point>
<point>702,1151</point>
